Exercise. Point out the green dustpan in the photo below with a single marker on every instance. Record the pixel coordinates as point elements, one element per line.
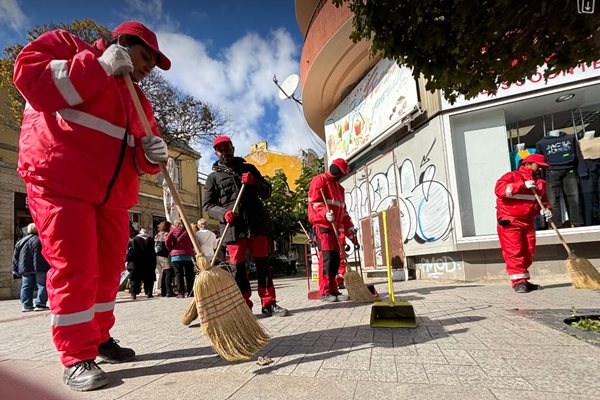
<point>391,314</point>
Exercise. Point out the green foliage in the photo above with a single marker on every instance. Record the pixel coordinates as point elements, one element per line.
<point>279,205</point>
<point>300,209</point>
<point>586,324</point>
<point>466,47</point>
<point>180,117</point>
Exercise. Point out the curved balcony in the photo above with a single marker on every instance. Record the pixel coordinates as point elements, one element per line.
<point>330,61</point>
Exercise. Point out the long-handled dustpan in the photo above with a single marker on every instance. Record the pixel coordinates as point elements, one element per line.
<point>392,313</point>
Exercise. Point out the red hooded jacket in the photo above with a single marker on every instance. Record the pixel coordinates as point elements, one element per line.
<point>514,201</point>
<point>334,193</point>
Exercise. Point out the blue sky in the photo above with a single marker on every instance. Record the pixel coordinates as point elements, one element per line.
<point>223,52</point>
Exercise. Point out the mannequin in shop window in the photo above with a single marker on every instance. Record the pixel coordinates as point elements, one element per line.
<point>566,165</point>
<point>589,145</point>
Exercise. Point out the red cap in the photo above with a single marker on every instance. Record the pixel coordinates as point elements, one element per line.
<point>140,30</point>
<point>536,158</point>
<point>220,139</point>
<point>341,164</point>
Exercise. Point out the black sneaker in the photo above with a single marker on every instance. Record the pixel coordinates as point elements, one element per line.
<point>84,376</point>
<point>273,308</point>
<point>111,352</point>
<point>533,286</point>
<point>329,298</point>
<point>521,288</point>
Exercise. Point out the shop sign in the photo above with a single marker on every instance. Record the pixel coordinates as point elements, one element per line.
<point>382,98</point>
<point>535,82</point>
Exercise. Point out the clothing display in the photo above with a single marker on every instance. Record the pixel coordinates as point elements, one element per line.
<point>563,154</point>
<point>590,185</point>
<point>518,155</point>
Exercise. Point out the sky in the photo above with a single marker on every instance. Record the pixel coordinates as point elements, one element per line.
<point>223,52</point>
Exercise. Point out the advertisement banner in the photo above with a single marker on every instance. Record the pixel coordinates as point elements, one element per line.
<point>383,97</point>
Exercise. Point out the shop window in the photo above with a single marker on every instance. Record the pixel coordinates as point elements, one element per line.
<point>136,220</point>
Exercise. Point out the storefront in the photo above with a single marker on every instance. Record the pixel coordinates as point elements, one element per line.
<point>436,181</point>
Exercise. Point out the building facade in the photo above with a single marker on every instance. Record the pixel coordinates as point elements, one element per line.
<point>432,166</point>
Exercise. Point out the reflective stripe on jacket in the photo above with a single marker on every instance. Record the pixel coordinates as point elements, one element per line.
<point>514,200</point>
<point>334,194</point>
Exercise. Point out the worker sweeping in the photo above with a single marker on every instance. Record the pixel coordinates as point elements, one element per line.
<point>81,150</point>
<point>516,211</point>
<point>322,219</point>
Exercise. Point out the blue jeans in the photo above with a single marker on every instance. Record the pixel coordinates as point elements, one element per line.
<point>28,284</point>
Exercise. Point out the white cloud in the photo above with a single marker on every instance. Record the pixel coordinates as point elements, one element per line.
<point>239,80</point>
<point>11,15</point>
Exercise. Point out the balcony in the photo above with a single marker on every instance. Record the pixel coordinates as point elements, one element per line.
<point>331,63</point>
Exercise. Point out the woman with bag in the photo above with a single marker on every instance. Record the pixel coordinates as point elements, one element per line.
<point>181,253</point>
<point>164,270</point>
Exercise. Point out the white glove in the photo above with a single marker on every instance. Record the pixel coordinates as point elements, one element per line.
<point>547,214</point>
<point>116,60</point>
<point>330,216</point>
<point>530,184</point>
<point>155,149</point>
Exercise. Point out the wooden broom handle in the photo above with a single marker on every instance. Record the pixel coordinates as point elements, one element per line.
<point>336,232</point>
<point>562,240</point>
<point>163,168</point>
<point>235,207</point>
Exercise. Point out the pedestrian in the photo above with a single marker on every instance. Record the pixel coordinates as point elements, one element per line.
<point>249,225</point>
<point>164,269</point>
<point>181,255</point>
<point>206,239</point>
<point>81,150</point>
<point>322,220</point>
<point>516,211</point>
<point>30,265</point>
<point>141,261</point>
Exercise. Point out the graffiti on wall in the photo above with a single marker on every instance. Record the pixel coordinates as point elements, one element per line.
<point>426,205</point>
<point>436,267</point>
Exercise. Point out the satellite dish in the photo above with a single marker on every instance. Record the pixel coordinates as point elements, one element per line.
<point>288,87</point>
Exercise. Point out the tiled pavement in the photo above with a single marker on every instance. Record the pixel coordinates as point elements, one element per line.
<point>469,344</point>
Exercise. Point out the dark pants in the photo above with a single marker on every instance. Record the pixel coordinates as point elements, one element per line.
<point>166,282</point>
<point>564,182</point>
<point>590,187</point>
<point>184,277</point>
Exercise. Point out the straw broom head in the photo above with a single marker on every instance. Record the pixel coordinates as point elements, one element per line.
<point>225,319</point>
<point>583,274</point>
<point>190,313</point>
<point>357,290</point>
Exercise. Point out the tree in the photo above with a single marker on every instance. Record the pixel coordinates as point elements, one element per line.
<point>466,47</point>
<point>182,119</point>
<point>300,209</point>
<point>279,205</point>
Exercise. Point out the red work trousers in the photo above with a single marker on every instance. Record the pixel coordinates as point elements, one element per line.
<point>329,260</point>
<point>85,245</point>
<point>517,240</point>
<point>259,249</point>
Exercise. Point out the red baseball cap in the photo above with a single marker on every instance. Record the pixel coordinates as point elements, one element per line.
<point>140,30</point>
<point>536,158</point>
<point>341,164</point>
<point>221,139</point>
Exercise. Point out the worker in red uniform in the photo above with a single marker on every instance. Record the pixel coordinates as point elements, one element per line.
<point>81,151</point>
<point>516,211</point>
<point>323,221</point>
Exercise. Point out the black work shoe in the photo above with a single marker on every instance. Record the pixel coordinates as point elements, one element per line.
<point>341,286</point>
<point>533,286</point>
<point>342,297</point>
<point>273,308</point>
<point>329,298</point>
<point>521,288</point>
<point>84,376</point>
<point>111,352</point>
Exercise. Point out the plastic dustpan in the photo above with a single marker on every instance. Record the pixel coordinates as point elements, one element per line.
<point>392,313</point>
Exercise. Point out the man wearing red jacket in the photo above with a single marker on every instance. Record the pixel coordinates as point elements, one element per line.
<point>81,151</point>
<point>516,211</point>
<point>323,221</point>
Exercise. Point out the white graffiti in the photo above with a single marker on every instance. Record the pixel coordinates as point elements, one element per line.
<point>436,267</point>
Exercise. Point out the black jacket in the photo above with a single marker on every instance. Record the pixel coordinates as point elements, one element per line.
<point>28,257</point>
<point>141,258</point>
<point>220,192</point>
<point>562,153</point>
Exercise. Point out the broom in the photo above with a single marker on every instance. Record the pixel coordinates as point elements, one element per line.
<point>191,311</point>
<point>225,318</point>
<point>583,274</point>
<point>357,290</point>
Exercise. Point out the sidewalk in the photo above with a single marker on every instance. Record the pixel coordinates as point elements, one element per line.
<point>469,344</point>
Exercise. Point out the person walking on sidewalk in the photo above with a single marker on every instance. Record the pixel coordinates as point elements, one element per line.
<point>206,239</point>
<point>142,258</point>
<point>82,148</point>
<point>249,226</point>
<point>322,220</point>
<point>181,255</point>
<point>516,209</point>
<point>164,269</point>
<point>30,265</point>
